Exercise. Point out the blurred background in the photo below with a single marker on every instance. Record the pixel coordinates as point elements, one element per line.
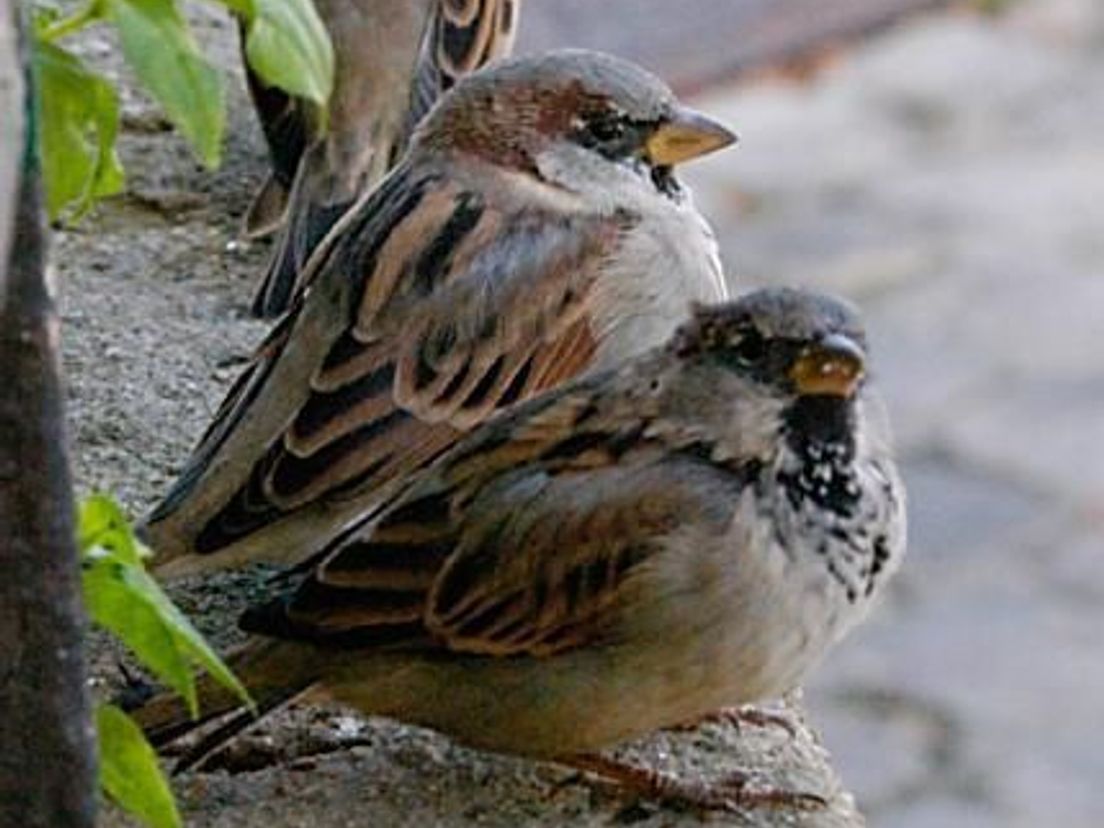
<point>947,173</point>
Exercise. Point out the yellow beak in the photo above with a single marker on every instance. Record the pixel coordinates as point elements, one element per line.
<point>834,366</point>
<point>685,135</point>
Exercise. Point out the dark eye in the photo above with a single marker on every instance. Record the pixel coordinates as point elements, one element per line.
<point>606,128</point>
<point>749,350</point>
<point>606,131</point>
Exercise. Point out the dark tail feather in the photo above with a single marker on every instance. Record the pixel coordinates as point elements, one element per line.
<point>213,741</point>
<point>165,718</point>
<point>311,212</point>
<point>274,293</point>
<point>274,672</point>
<point>289,123</point>
<point>266,211</point>
<point>306,226</point>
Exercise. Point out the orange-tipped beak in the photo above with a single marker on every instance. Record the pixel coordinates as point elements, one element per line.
<point>834,366</point>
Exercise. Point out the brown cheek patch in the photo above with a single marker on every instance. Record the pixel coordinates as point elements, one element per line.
<point>536,114</point>
<point>560,109</point>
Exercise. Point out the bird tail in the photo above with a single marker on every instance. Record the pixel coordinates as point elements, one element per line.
<point>274,672</point>
<point>318,198</point>
<point>266,212</point>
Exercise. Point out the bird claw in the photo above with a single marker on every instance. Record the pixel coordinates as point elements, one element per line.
<point>735,787</point>
<point>732,793</point>
<point>756,717</point>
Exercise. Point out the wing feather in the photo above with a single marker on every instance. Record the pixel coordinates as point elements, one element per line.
<point>465,35</point>
<point>394,61</point>
<point>529,556</point>
<point>434,338</point>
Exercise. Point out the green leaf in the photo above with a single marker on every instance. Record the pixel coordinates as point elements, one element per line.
<point>79,121</point>
<point>288,46</point>
<point>159,47</point>
<point>129,772</point>
<point>122,597</point>
<point>102,523</point>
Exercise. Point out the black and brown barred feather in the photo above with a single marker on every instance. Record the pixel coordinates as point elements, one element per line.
<point>426,346</point>
<point>313,168</point>
<point>521,539</point>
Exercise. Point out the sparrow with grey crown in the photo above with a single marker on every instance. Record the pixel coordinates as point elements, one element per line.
<point>631,551</point>
<point>534,231</point>
<point>393,59</point>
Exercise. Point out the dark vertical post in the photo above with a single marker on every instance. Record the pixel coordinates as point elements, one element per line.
<point>47,758</point>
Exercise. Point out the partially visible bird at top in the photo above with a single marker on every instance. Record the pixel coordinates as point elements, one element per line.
<point>535,230</point>
<point>393,60</point>
<point>630,551</point>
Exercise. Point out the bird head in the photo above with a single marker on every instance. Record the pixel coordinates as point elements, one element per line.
<point>792,342</point>
<point>573,117</point>
<point>778,361</point>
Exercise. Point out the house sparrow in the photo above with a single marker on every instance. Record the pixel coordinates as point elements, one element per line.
<point>624,553</point>
<point>393,59</point>
<point>533,232</point>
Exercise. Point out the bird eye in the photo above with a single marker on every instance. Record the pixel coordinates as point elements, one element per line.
<point>749,350</point>
<point>605,131</point>
<point>606,128</point>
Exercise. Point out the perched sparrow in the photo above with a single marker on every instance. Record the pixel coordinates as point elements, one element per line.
<point>628,552</point>
<point>533,232</point>
<point>393,59</point>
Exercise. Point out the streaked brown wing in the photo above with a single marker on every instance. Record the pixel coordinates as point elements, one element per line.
<point>465,35</point>
<point>513,543</point>
<point>544,559</point>
<point>386,207</point>
<point>455,311</point>
<point>434,42</point>
<point>439,343</point>
<point>474,32</point>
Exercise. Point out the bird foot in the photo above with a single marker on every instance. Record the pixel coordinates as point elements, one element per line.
<point>251,752</point>
<point>731,793</point>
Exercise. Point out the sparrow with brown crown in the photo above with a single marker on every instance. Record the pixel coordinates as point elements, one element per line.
<point>393,59</point>
<point>628,552</point>
<point>534,231</point>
